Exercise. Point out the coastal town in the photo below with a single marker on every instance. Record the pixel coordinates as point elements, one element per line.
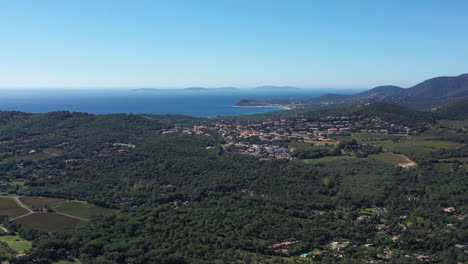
<point>265,139</point>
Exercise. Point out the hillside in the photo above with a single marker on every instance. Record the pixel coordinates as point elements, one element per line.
<point>454,110</point>
<point>184,199</point>
<point>440,88</point>
<point>433,90</point>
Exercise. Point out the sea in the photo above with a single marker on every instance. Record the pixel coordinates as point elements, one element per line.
<point>200,103</point>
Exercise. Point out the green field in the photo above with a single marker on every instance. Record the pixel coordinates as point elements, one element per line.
<point>47,221</point>
<point>16,243</point>
<point>328,159</point>
<point>390,158</point>
<point>415,145</point>
<point>82,209</point>
<point>11,209</point>
<point>35,203</point>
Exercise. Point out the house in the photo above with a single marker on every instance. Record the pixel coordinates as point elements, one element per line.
<point>424,258</point>
<point>339,246</point>
<point>21,256</point>
<point>449,210</point>
<point>362,217</point>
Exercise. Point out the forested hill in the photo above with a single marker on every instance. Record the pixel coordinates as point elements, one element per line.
<point>437,89</point>
<point>183,199</point>
<point>454,110</point>
<point>398,114</point>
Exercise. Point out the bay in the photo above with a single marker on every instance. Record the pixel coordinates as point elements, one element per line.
<point>204,103</point>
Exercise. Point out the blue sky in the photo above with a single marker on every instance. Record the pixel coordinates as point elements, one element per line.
<point>241,43</point>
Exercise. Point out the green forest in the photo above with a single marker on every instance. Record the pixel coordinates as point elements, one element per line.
<point>183,199</point>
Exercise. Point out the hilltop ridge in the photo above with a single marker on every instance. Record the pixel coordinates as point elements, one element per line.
<point>437,89</point>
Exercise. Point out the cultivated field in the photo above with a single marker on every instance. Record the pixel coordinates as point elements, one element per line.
<point>16,243</point>
<point>82,209</point>
<point>47,221</point>
<point>414,145</point>
<point>10,208</point>
<point>37,203</point>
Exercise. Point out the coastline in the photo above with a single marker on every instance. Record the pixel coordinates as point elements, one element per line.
<point>263,106</point>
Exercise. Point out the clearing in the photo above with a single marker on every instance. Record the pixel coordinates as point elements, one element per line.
<point>395,159</point>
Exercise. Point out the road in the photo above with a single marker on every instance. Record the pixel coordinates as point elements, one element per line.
<point>18,201</point>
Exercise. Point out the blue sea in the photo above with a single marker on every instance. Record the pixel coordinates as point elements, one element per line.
<point>185,102</point>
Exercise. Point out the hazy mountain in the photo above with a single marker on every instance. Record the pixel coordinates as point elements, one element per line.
<point>276,88</point>
<point>433,90</point>
<point>440,88</point>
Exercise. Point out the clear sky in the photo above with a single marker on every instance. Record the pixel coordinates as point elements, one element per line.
<point>241,43</point>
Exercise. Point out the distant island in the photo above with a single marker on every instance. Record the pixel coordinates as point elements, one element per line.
<point>432,90</point>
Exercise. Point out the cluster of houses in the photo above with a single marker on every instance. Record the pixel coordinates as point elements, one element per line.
<point>261,151</point>
<point>195,130</point>
<point>302,129</point>
<point>258,138</point>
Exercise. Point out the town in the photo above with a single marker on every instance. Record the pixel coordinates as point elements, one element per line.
<point>263,139</point>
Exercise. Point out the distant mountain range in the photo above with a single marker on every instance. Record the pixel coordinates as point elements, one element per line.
<point>437,89</point>
<point>203,89</point>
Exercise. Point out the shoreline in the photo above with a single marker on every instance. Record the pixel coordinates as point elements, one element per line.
<point>263,106</point>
